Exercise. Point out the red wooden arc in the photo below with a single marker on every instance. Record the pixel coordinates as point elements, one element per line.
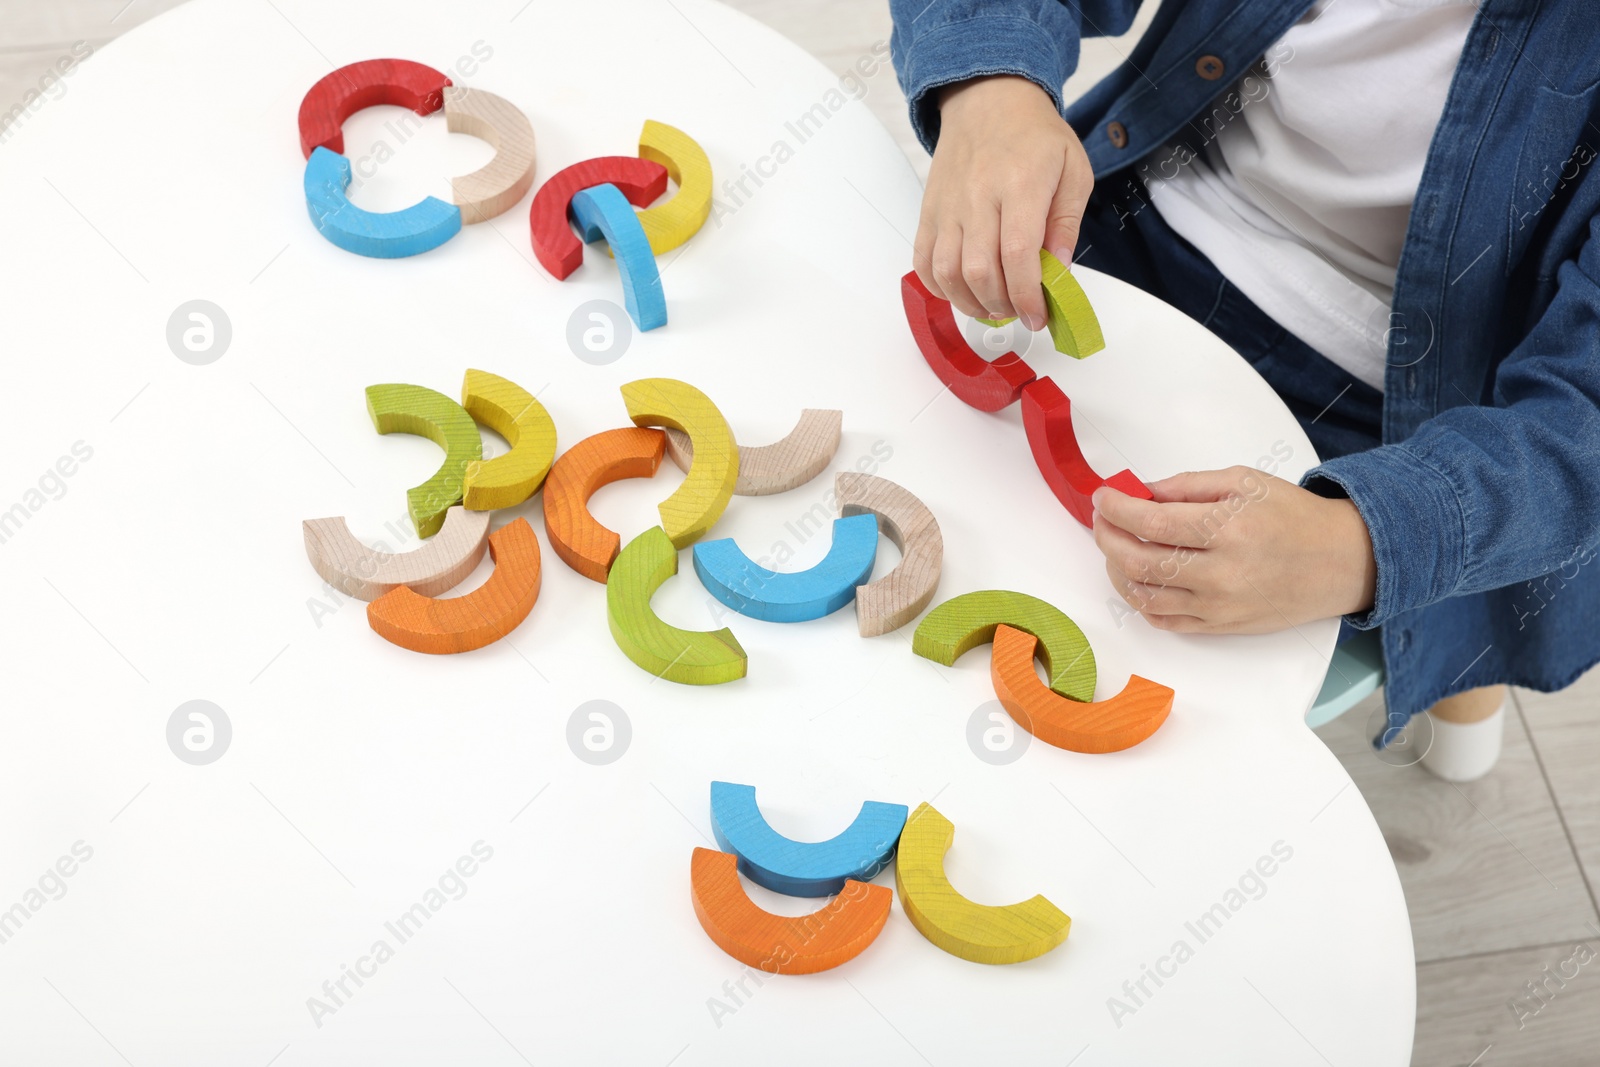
<point>1096,726</point>
<point>804,944</point>
<point>1047,416</point>
<point>371,82</point>
<point>554,243</point>
<point>984,384</point>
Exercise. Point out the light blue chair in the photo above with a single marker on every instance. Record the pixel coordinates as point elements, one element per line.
<point>1354,673</point>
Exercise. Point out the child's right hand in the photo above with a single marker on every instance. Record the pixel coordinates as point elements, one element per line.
<point>1009,177</point>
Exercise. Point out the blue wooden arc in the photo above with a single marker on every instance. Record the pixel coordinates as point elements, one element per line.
<point>602,211</point>
<point>803,868</point>
<point>795,596</point>
<point>427,224</point>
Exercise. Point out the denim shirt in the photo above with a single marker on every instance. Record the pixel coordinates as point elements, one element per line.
<point>1483,500</point>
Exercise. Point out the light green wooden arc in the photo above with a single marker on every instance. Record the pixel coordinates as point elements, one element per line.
<point>691,657</point>
<point>1073,325</point>
<point>425,412</point>
<point>969,620</point>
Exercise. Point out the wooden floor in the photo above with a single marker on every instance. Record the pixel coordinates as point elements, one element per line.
<point>1499,875</point>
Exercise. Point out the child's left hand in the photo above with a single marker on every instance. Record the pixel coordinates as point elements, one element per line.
<point>1234,551</point>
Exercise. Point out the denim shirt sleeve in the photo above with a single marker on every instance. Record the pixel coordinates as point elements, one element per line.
<point>937,42</point>
<point>1482,497</point>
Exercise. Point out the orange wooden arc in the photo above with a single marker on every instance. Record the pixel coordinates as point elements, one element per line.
<point>804,944</point>
<point>481,617</point>
<point>582,543</point>
<point>1095,727</point>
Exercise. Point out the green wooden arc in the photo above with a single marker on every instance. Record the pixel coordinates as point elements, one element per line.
<point>692,657</point>
<point>969,620</point>
<point>1074,327</point>
<point>418,410</point>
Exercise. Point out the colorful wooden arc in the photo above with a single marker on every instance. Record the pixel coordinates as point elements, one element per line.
<point>707,486</point>
<point>367,573</point>
<point>604,212</point>
<point>803,868</point>
<point>833,934</point>
<point>981,933</point>
<point>1073,325</point>
<point>800,456</point>
<point>424,225</point>
<point>495,187</point>
<point>1099,726</point>
<point>582,543</point>
<point>899,596</point>
<point>1047,418</point>
<point>554,244</point>
<point>690,657</point>
<point>969,620</point>
<point>795,596</point>
<point>670,224</point>
<point>512,412</point>
<point>415,409</point>
<point>481,617</point>
<point>988,385</point>
<point>342,93</point>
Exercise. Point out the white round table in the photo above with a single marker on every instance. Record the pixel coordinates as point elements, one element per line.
<point>156,559</point>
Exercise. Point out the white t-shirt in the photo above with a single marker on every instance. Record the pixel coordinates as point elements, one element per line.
<point>1302,197</point>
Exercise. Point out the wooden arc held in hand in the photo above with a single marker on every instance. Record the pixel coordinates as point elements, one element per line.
<point>1047,417</point>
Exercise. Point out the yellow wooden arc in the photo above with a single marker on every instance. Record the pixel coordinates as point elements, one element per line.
<point>670,224</point>
<point>708,485</point>
<point>981,933</point>
<point>513,413</point>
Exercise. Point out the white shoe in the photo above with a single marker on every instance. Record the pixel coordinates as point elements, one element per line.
<point>1466,751</point>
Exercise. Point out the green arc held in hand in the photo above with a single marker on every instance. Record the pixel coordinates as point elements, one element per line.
<point>1072,322</point>
<point>1073,326</point>
<point>418,410</point>
<point>969,620</point>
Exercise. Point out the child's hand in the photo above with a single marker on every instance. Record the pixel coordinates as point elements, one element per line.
<point>1009,177</point>
<point>1234,551</point>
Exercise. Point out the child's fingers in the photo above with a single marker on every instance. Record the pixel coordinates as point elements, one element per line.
<point>1134,560</point>
<point>1182,525</point>
<point>1065,215</point>
<point>1150,599</point>
<point>922,251</point>
<point>947,252</point>
<point>1022,223</point>
<point>1207,486</point>
<point>1184,624</point>
<point>980,261</point>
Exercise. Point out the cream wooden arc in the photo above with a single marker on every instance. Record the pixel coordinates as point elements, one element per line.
<point>802,454</point>
<point>495,187</point>
<point>366,573</point>
<point>899,596</point>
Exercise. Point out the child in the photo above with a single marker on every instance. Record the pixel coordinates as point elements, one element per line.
<point>1388,208</point>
